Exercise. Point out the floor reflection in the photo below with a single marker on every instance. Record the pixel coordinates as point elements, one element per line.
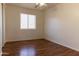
<point>28,51</point>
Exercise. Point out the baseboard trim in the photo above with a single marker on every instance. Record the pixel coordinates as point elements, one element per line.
<point>63,45</point>
<point>24,40</point>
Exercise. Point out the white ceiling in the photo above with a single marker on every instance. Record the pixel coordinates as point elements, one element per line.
<point>32,5</point>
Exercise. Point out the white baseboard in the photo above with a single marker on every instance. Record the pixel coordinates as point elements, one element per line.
<point>24,40</point>
<point>62,44</point>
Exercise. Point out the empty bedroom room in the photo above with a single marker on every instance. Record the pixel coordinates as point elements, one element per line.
<point>41,29</point>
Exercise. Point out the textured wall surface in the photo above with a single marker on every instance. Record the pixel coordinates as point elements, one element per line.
<point>62,25</point>
<point>13,31</point>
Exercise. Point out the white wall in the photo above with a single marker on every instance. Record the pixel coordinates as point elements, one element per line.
<point>13,31</point>
<point>3,24</point>
<point>62,25</point>
<point>0,29</point>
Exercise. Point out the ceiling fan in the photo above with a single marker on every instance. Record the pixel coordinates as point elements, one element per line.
<point>38,5</point>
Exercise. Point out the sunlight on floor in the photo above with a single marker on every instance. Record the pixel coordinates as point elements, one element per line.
<point>28,51</point>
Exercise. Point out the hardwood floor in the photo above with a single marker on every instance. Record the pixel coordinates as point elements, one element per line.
<point>39,47</point>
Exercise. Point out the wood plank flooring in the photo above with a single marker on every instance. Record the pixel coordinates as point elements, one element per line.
<point>39,47</point>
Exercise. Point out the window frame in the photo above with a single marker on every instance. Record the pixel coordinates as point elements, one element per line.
<point>28,28</point>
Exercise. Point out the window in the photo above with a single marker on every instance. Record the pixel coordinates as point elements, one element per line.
<point>28,21</point>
